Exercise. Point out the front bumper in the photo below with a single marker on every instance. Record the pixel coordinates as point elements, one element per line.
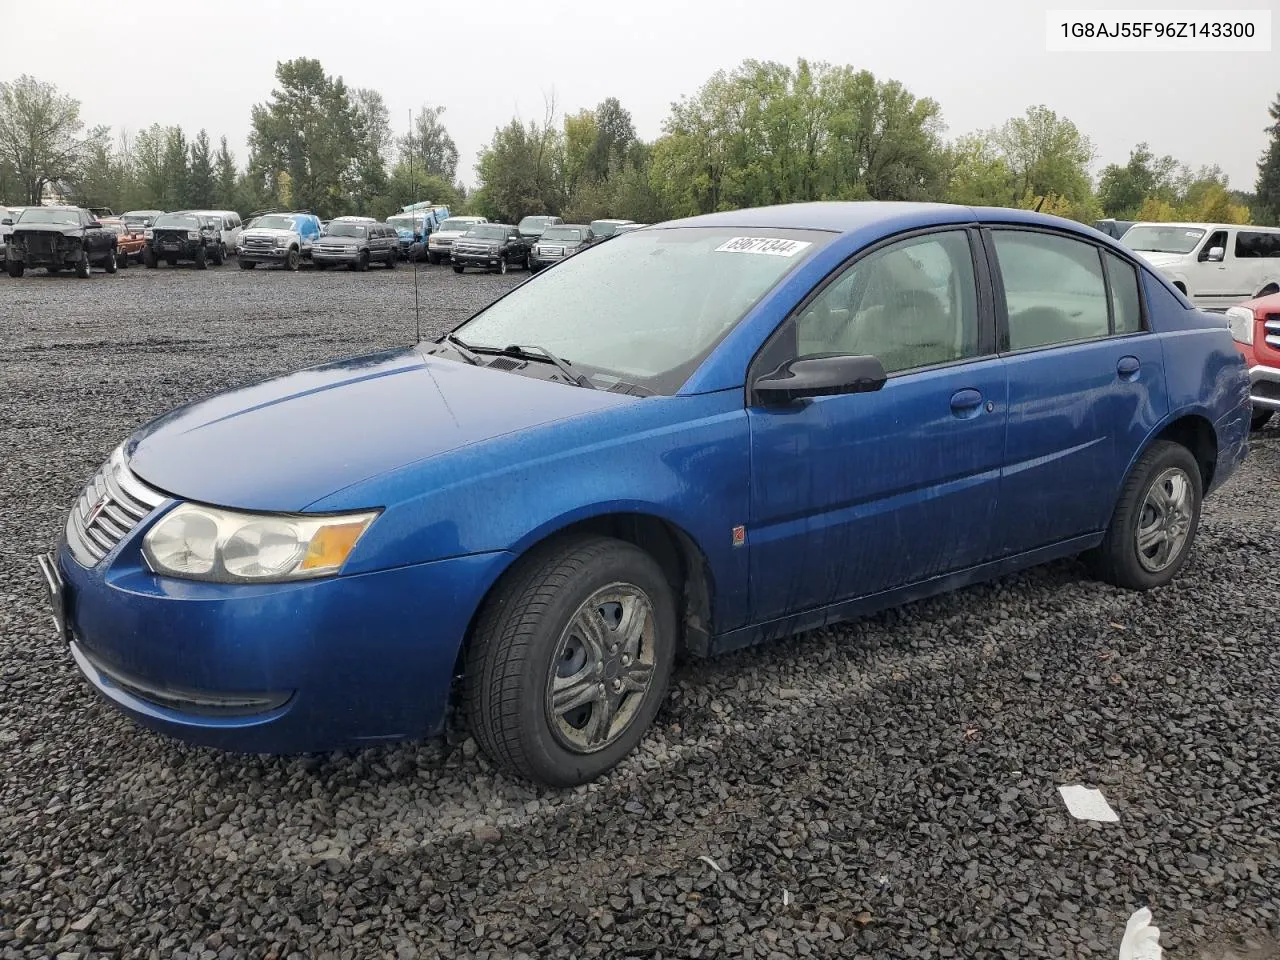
<point>335,259</point>
<point>183,250</point>
<point>262,254</point>
<point>1264,387</point>
<point>469,259</point>
<point>274,668</point>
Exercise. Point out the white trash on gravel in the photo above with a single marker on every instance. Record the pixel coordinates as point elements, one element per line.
<point>1086,803</point>
<point>1141,938</point>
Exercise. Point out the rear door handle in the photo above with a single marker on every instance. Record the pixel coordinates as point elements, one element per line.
<point>966,404</point>
<point>1128,368</point>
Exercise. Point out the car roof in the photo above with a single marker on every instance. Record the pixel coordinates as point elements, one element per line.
<point>1202,226</point>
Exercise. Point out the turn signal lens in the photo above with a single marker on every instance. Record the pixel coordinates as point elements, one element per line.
<point>331,545</point>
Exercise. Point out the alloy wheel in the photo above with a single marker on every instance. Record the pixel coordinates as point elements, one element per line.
<point>1164,520</point>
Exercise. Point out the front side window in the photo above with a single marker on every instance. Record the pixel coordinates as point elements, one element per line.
<point>1218,239</point>
<point>1054,289</point>
<point>912,304</point>
<point>648,307</point>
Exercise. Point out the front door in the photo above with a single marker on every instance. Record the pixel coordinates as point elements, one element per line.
<point>856,494</point>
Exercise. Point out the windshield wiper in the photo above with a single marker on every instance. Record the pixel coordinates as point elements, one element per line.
<point>535,352</point>
<point>463,350</point>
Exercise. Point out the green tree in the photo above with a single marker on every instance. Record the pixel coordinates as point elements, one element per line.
<point>177,171</point>
<point>101,175</point>
<point>305,130</point>
<point>1267,189</point>
<point>980,175</point>
<point>202,182</point>
<point>614,136</point>
<point>225,189</point>
<point>41,137</point>
<point>1122,190</point>
<point>373,136</point>
<point>430,146</point>
<point>1048,155</point>
<point>520,171</point>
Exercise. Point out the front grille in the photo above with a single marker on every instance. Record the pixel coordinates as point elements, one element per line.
<point>1272,328</point>
<point>40,244</point>
<point>170,236</point>
<point>551,251</point>
<point>471,248</point>
<point>111,505</point>
<point>258,243</point>
<point>332,248</point>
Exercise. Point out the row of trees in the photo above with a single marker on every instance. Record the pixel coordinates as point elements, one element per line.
<point>760,134</point>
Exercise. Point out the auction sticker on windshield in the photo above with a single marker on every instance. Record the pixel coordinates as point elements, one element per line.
<point>773,246</point>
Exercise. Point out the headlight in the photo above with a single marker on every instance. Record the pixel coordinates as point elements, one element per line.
<point>148,233</point>
<point>1240,321</point>
<point>282,241</point>
<point>204,543</point>
<point>193,234</point>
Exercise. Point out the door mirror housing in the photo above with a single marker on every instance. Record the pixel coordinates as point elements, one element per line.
<point>94,224</point>
<point>6,222</point>
<point>822,376</point>
<point>1216,254</point>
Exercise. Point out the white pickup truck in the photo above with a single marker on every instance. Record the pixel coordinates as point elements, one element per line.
<point>1217,265</point>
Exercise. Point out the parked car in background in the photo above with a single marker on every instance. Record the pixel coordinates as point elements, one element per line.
<point>1255,327</point>
<point>628,227</point>
<point>230,229</point>
<point>600,229</point>
<point>1217,265</point>
<point>440,244</point>
<point>7,217</point>
<point>282,238</point>
<point>558,242</point>
<point>531,228</point>
<point>355,243</point>
<point>184,235</point>
<point>416,224</point>
<point>101,213</point>
<point>651,450</point>
<point>131,240</point>
<point>493,246</point>
<point>59,238</point>
<point>1113,228</point>
<point>140,218</point>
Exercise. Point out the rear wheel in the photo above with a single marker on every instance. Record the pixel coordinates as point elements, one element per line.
<point>16,268</point>
<point>570,660</point>
<point>457,268</point>
<point>1259,419</point>
<point>392,256</point>
<point>1155,520</point>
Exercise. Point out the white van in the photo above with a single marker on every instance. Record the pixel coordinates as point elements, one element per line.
<point>231,227</point>
<point>1217,265</point>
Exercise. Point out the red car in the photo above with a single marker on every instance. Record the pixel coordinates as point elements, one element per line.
<point>1255,325</point>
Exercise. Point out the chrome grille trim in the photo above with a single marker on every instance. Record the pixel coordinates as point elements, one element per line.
<point>125,500</point>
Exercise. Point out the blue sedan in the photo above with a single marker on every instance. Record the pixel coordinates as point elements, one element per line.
<point>696,436</point>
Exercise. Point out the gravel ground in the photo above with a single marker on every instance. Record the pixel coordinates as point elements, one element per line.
<point>886,788</point>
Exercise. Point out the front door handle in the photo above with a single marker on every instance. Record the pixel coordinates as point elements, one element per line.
<point>1128,368</point>
<point>966,404</point>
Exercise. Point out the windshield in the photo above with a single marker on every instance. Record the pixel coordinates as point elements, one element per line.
<point>562,233</point>
<point>603,228</point>
<point>648,307</point>
<point>47,215</point>
<point>1162,238</point>
<point>529,224</point>
<point>488,232</point>
<point>457,223</point>
<point>347,230</point>
<point>185,221</point>
<point>404,223</point>
<point>273,221</point>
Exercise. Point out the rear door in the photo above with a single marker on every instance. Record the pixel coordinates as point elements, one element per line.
<point>1086,382</point>
<point>852,495</point>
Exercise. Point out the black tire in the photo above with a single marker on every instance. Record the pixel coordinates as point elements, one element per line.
<point>219,255</point>
<point>122,260</point>
<point>293,260</point>
<point>458,268</point>
<point>521,636</point>
<point>83,270</point>
<point>113,261</point>
<point>202,258</point>
<point>1117,559</point>
<point>16,268</point>
<point>502,265</point>
<point>363,264</point>
<point>1260,419</point>
<point>533,267</point>
<point>149,258</point>
<point>433,259</point>
<point>246,264</point>
<point>171,261</point>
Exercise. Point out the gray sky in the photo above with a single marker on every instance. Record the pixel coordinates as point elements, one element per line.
<point>983,60</point>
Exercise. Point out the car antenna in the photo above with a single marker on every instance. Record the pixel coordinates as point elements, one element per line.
<point>413,185</point>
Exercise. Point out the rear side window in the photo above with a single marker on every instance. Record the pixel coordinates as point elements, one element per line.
<point>1125,302</point>
<point>1255,243</point>
<point>1054,289</point>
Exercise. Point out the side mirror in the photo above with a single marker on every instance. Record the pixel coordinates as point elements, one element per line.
<point>1216,254</point>
<point>821,377</point>
<point>6,222</point>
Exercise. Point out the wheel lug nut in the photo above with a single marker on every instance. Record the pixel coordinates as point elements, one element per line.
<point>617,685</point>
<point>626,660</point>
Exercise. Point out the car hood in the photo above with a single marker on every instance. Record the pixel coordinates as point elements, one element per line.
<point>285,443</point>
<point>65,229</point>
<point>340,241</point>
<point>448,234</point>
<point>1160,259</point>
<point>267,232</point>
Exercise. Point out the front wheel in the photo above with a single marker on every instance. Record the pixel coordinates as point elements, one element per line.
<point>292,261</point>
<point>219,255</point>
<point>502,265</point>
<point>202,259</point>
<point>112,261</point>
<point>457,268</point>
<point>17,268</point>
<point>82,265</point>
<point>1155,520</point>
<point>570,660</point>
<point>433,259</point>
<point>246,264</point>
<point>149,258</point>
<point>391,260</point>
<point>1259,419</point>
<point>363,265</point>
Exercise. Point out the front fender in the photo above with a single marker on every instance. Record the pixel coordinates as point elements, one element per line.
<point>684,460</point>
